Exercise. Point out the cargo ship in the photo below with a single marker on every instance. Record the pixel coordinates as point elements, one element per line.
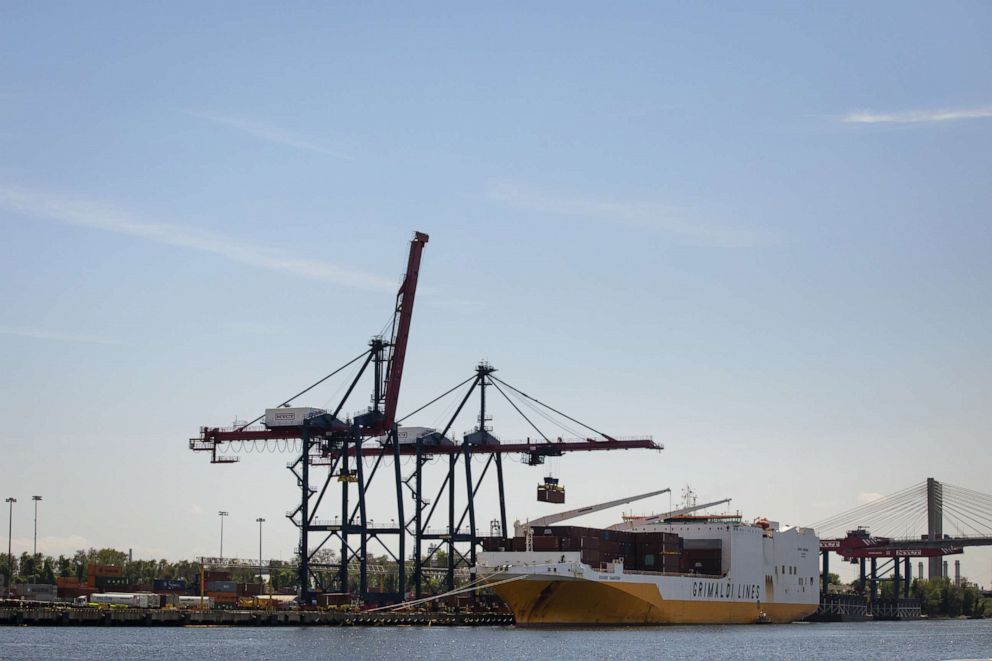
<point>675,569</point>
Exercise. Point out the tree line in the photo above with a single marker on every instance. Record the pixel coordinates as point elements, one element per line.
<point>40,568</point>
<point>939,597</point>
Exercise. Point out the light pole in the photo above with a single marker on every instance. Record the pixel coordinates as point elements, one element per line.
<point>260,521</point>
<point>36,500</point>
<point>222,515</point>
<point>10,533</point>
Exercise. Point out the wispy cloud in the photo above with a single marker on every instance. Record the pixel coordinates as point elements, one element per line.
<point>85,213</point>
<point>866,497</point>
<point>41,334</point>
<point>916,116</point>
<point>637,214</point>
<point>268,132</point>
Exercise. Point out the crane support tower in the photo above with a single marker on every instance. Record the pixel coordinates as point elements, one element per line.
<point>352,451</point>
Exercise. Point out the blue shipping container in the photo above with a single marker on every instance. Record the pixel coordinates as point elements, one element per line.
<point>170,584</point>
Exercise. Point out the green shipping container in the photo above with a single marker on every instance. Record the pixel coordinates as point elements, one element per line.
<point>110,581</point>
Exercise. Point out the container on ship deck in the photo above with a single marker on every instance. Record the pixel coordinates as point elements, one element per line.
<point>613,548</point>
<point>590,557</point>
<point>545,543</point>
<point>589,543</point>
<point>497,544</point>
<point>620,536</point>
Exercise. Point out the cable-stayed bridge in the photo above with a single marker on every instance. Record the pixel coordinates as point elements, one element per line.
<point>928,520</point>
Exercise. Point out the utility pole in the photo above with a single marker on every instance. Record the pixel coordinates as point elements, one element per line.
<point>222,515</point>
<point>10,533</point>
<point>260,521</point>
<point>36,500</point>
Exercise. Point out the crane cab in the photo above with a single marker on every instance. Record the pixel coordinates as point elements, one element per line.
<point>550,491</point>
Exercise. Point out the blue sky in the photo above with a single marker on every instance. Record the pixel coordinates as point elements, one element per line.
<point>760,234</point>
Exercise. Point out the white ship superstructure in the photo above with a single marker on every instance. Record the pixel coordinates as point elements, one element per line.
<point>726,571</point>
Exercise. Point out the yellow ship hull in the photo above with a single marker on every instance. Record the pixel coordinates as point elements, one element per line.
<point>538,602</point>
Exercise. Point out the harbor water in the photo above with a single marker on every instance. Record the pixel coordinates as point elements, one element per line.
<point>948,639</point>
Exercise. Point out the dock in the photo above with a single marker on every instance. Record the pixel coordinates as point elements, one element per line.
<point>113,617</point>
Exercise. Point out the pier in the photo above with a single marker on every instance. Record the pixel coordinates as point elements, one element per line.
<point>115,617</point>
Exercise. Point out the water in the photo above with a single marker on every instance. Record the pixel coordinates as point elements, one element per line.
<point>955,639</point>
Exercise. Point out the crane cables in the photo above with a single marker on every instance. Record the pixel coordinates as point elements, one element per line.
<point>308,388</point>
<point>519,400</point>
<point>551,408</point>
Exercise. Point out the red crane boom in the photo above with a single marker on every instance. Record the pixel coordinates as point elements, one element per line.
<point>401,332</point>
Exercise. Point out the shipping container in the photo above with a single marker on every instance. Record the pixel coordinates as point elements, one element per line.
<point>223,598</point>
<point>589,543</point>
<point>93,570</point>
<point>36,591</point>
<point>249,589</point>
<point>545,543</point>
<point>222,586</point>
<point>103,582</point>
<point>290,416</point>
<point>590,557</point>
<point>194,602</point>
<point>216,576</point>
<point>72,592</point>
<point>333,599</point>
<point>169,585</point>
<point>497,544</point>
<point>134,600</point>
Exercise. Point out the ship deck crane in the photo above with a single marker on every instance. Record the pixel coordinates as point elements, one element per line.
<point>521,529</point>
<point>655,518</point>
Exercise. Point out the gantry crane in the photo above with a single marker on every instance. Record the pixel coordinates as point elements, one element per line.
<point>343,446</point>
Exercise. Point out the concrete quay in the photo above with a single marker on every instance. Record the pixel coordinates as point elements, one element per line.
<point>113,617</point>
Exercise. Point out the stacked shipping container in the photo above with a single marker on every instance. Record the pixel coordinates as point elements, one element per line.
<point>640,551</point>
<point>220,588</point>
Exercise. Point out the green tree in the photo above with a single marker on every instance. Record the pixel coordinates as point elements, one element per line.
<point>47,571</point>
<point>7,565</point>
<point>64,566</point>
